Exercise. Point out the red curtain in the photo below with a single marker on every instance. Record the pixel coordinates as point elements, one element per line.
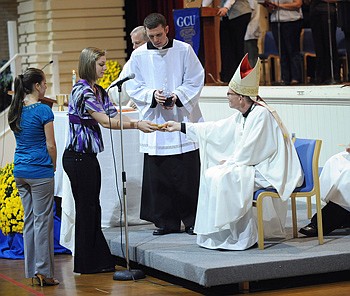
<point>165,7</point>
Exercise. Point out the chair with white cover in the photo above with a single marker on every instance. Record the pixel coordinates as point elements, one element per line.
<point>308,152</point>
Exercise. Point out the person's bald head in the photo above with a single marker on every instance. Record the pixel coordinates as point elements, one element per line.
<point>138,37</point>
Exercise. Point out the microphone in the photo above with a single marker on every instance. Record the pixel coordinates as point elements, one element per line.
<point>46,65</point>
<point>121,81</point>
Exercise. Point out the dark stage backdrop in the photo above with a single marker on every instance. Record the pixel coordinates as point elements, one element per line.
<point>137,10</point>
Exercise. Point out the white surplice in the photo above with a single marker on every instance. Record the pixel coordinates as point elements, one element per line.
<point>256,155</point>
<point>335,180</point>
<point>178,68</point>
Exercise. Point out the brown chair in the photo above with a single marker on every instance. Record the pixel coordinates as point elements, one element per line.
<point>343,57</point>
<point>307,51</point>
<point>269,57</point>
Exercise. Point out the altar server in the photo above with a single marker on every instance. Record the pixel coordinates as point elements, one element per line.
<point>335,191</point>
<point>240,154</point>
<point>168,80</point>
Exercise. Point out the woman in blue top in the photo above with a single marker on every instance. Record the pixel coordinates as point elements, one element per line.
<point>89,107</point>
<point>35,164</point>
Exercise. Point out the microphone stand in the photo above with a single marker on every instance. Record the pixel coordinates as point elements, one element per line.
<point>330,43</point>
<point>279,37</point>
<point>128,274</point>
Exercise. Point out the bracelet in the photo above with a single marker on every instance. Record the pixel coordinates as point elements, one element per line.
<point>137,124</point>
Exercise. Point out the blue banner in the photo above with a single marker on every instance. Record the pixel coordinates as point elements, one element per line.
<point>187,26</point>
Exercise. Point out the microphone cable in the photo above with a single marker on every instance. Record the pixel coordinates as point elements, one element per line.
<point>116,178</point>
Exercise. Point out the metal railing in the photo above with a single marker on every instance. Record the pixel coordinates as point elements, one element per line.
<point>17,60</point>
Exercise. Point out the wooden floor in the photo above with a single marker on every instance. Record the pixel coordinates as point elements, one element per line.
<point>12,283</point>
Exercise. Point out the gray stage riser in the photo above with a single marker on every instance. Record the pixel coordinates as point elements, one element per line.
<point>180,256</point>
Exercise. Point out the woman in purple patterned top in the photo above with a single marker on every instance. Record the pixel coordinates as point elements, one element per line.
<point>89,107</point>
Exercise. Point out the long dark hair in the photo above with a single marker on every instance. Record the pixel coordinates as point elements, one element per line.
<point>24,84</point>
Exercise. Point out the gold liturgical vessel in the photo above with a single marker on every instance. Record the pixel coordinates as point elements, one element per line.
<point>61,99</point>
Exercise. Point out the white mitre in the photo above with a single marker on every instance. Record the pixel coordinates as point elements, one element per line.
<point>245,82</point>
<point>246,79</point>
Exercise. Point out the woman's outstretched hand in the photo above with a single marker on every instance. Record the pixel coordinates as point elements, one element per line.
<point>147,126</point>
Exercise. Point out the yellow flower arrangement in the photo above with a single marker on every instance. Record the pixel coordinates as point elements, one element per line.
<point>111,74</point>
<point>11,208</point>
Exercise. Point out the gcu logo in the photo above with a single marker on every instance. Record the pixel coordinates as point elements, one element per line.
<point>186,21</point>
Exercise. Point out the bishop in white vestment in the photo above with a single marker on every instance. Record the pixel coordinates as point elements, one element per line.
<point>239,155</point>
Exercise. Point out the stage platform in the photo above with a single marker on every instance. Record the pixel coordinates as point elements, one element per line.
<point>179,255</point>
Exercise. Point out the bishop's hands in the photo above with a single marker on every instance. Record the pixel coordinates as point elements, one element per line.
<point>170,126</point>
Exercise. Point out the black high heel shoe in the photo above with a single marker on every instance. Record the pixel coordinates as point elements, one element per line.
<point>44,281</point>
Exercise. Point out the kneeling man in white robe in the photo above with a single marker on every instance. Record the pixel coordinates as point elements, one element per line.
<point>335,192</point>
<point>240,154</point>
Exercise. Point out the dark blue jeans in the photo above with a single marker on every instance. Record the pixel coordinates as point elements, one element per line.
<point>289,34</point>
<point>232,44</point>
<point>320,34</point>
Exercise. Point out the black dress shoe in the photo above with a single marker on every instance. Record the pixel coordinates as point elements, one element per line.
<point>190,230</point>
<point>279,83</point>
<point>107,269</point>
<point>163,231</point>
<point>253,246</point>
<point>309,230</point>
<point>347,225</point>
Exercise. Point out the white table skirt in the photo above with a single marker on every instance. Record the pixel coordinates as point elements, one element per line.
<point>111,203</point>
